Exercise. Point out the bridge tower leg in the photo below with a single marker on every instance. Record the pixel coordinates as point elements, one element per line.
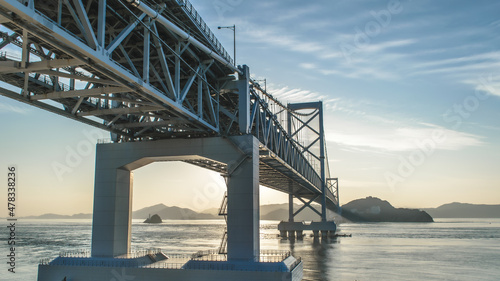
<point>322,162</point>
<point>243,207</point>
<point>112,216</point>
<point>295,125</point>
<point>290,212</point>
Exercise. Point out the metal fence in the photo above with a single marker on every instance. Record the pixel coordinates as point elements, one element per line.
<point>201,260</point>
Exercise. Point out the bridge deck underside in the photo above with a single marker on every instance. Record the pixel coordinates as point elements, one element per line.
<point>273,173</point>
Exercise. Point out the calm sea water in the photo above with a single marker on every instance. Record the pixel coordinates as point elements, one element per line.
<point>449,249</point>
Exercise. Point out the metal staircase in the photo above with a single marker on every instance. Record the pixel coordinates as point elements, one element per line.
<point>223,212</point>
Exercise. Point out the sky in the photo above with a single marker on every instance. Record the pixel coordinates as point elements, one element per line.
<point>411,91</point>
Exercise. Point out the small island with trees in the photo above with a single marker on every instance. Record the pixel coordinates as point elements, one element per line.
<point>372,209</point>
<point>153,219</point>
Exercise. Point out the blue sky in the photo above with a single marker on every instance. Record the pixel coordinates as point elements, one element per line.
<point>411,92</point>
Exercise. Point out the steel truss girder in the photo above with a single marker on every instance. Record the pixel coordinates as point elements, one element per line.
<point>81,93</point>
<point>281,146</point>
<point>197,105</point>
<point>143,77</point>
<point>50,108</point>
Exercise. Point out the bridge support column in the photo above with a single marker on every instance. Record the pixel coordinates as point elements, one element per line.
<point>243,205</point>
<point>112,217</point>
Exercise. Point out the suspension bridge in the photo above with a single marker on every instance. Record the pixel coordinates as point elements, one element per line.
<point>154,75</point>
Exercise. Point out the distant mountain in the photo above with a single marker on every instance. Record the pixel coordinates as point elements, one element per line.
<point>276,212</point>
<point>56,216</point>
<point>280,212</point>
<point>211,211</point>
<point>81,216</point>
<point>463,210</point>
<point>147,211</point>
<point>171,213</point>
<point>368,209</point>
<point>372,209</point>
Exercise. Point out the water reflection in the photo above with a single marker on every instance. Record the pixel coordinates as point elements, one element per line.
<point>444,250</point>
<point>316,253</point>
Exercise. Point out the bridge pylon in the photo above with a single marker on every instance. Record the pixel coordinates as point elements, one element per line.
<point>310,126</point>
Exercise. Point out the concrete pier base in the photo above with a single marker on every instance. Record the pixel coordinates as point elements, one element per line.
<point>323,229</point>
<point>53,273</point>
<point>144,268</point>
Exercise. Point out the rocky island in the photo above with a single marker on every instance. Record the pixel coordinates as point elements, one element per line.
<point>372,209</point>
<point>153,219</point>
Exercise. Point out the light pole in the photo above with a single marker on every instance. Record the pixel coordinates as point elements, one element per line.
<point>265,83</point>
<point>233,28</point>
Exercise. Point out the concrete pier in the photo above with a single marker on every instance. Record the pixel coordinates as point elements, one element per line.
<point>323,229</point>
<point>113,189</point>
<point>112,217</point>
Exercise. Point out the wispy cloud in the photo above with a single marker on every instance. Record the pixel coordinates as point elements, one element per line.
<point>488,56</point>
<point>297,13</point>
<point>286,94</point>
<point>306,65</point>
<point>386,45</point>
<point>488,82</point>
<point>282,38</point>
<point>7,108</point>
<point>492,88</point>
<point>406,138</point>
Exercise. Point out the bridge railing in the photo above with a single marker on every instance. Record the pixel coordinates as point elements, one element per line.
<point>209,35</point>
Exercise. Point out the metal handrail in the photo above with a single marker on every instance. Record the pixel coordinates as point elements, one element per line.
<point>202,260</point>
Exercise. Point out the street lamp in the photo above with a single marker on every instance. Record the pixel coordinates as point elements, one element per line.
<point>233,28</point>
<point>265,83</point>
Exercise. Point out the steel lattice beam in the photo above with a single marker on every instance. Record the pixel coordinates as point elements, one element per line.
<point>135,67</point>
